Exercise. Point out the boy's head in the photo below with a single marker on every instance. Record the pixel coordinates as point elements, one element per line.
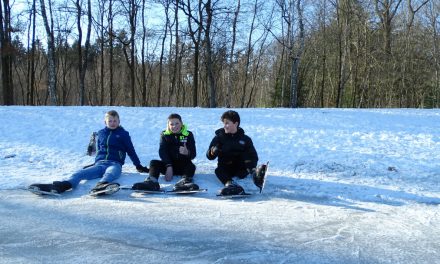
<point>174,123</point>
<point>112,119</point>
<point>231,121</point>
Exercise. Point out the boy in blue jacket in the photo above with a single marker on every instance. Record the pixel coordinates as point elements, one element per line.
<point>114,143</point>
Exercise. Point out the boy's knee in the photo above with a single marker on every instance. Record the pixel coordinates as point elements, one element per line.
<point>155,163</point>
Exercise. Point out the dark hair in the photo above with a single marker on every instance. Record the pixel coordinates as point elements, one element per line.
<point>232,116</point>
<point>174,115</point>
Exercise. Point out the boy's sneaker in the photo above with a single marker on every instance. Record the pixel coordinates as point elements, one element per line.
<point>102,186</point>
<point>148,185</point>
<point>231,188</point>
<point>185,184</point>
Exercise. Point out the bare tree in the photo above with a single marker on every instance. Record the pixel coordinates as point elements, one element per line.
<point>249,52</point>
<point>209,61</point>
<point>231,56</point>
<point>111,51</point>
<point>196,36</point>
<point>386,10</point>
<point>30,97</point>
<point>294,48</point>
<point>405,94</point>
<point>51,59</point>
<point>144,87</point>
<point>82,60</point>
<point>175,67</point>
<point>131,11</point>
<point>344,10</point>
<point>166,5</point>
<point>433,14</point>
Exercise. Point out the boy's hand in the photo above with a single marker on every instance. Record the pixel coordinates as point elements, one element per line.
<point>184,150</point>
<point>141,168</point>
<point>169,173</point>
<point>215,150</point>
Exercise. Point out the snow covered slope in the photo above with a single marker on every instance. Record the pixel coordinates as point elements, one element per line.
<point>344,186</point>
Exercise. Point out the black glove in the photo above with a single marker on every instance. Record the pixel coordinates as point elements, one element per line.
<point>215,150</point>
<point>141,168</point>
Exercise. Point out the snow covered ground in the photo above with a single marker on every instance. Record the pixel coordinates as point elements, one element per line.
<point>344,186</point>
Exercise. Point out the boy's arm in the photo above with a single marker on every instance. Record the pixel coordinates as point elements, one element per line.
<point>163,151</point>
<point>133,156</point>
<point>130,150</point>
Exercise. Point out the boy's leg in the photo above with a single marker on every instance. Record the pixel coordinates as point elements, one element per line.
<point>223,174</point>
<point>242,173</point>
<point>157,167</point>
<point>89,173</point>
<point>112,172</point>
<point>187,171</point>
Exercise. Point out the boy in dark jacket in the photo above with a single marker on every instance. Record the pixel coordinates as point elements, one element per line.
<point>236,153</point>
<point>177,149</point>
<point>114,143</point>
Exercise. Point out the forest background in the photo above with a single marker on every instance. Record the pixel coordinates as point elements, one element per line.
<point>221,53</point>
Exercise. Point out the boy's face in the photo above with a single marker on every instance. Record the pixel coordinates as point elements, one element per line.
<point>174,125</point>
<point>229,126</point>
<point>111,122</point>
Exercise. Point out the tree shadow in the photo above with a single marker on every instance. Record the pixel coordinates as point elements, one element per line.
<point>340,194</point>
<point>345,195</point>
<point>321,192</point>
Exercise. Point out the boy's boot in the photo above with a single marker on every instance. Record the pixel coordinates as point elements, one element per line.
<point>61,186</point>
<point>41,187</point>
<point>232,188</point>
<point>258,176</point>
<point>101,186</point>
<point>150,184</point>
<point>185,184</point>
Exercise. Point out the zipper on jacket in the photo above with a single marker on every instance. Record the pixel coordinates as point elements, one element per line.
<point>108,146</point>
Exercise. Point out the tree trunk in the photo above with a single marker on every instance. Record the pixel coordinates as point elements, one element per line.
<point>143,70</point>
<point>249,52</point>
<point>386,13</point>
<point>111,33</point>
<point>82,60</point>
<point>343,13</point>
<point>6,53</point>
<point>30,80</point>
<point>51,58</point>
<point>231,57</point>
<point>162,53</point>
<point>132,63</point>
<point>294,75</point>
<point>209,64</point>
<point>102,54</point>
<point>436,54</point>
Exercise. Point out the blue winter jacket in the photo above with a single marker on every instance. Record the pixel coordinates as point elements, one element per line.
<point>114,144</point>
